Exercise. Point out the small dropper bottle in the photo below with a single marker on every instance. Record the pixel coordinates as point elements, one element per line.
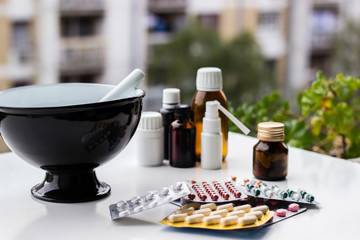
<point>170,100</point>
<point>182,139</point>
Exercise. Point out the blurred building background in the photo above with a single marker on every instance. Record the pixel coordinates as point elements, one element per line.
<point>50,41</point>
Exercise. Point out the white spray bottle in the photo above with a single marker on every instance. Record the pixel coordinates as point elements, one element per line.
<point>211,136</point>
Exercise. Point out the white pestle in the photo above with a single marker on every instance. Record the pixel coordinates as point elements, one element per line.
<point>125,87</point>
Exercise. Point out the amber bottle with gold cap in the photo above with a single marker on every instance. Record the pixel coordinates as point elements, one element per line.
<point>270,154</point>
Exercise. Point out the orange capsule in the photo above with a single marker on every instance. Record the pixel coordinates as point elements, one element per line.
<point>258,182</point>
<point>246,180</point>
<point>233,178</point>
<point>193,181</point>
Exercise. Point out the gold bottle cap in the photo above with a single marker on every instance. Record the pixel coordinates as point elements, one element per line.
<point>271,131</point>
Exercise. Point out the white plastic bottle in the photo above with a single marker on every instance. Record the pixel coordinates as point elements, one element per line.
<point>211,137</point>
<point>150,139</point>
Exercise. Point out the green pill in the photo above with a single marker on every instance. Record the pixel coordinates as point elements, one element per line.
<point>290,192</point>
<point>249,186</point>
<point>256,192</point>
<point>283,194</point>
<point>309,198</point>
<point>302,193</point>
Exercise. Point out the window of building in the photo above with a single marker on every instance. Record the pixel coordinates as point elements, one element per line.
<point>81,26</point>
<point>165,22</point>
<point>268,20</point>
<point>210,21</point>
<point>323,28</point>
<point>21,41</point>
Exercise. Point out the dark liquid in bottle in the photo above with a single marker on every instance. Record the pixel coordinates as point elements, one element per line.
<point>167,118</point>
<point>182,139</point>
<point>270,160</point>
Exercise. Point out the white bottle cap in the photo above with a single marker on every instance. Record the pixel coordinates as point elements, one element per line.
<point>209,79</point>
<point>211,121</point>
<point>171,97</point>
<point>212,110</point>
<point>150,121</point>
<point>149,139</point>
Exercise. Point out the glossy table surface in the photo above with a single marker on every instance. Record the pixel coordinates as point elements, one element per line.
<point>334,182</point>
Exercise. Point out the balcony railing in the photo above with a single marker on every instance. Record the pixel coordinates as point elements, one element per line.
<point>84,55</point>
<point>167,5</point>
<point>81,7</point>
<point>322,41</point>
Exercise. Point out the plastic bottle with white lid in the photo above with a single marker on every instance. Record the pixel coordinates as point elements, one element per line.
<point>170,100</point>
<point>211,136</point>
<point>209,85</point>
<point>150,139</point>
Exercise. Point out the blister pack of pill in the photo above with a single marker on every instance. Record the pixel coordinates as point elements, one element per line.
<point>214,191</point>
<point>219,217</point>
<point>150,200</point>
<point>260,189</point>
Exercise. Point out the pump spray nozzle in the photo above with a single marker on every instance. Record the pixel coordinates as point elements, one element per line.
<point>211,136</point>
<point>239,124</point>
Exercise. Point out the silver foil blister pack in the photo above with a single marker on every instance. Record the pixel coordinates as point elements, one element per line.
<point>150,200</point>
<point>259,189</point>
<point>213,191</point>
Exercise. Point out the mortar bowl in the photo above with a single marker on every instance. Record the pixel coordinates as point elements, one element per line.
<point>64,130</point>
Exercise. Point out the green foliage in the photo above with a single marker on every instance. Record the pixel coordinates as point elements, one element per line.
<point>329,118</point>
<point>272,108</point>
<point>175,64</point>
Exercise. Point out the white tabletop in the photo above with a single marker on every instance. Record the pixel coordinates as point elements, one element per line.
<point>334,183</point>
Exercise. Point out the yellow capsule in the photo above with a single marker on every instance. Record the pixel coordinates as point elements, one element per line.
<point>194,218</point>
<point>262,208</point>
<point>229,207</point>
<point>247,220</point>
<point>188,211</point>
<point>215,219</point>
<point>239,213</point>
<point>205,211</point>
<point>227,221</point>
<point>222,213</point>
<point>211,206</point>
<point>257,214</point>
<point>245,207</point>
<point>177,217</point>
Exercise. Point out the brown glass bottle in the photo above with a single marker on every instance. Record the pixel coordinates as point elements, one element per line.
<point>270,154</point>
<point>182,139</point>
<point>209,85</point>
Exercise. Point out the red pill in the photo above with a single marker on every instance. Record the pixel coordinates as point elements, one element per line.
<point>281,212</point>
<point>203,197</point>
<point>293,207</point>
<point>237,194</point>
<point>191,196</point>
<point>214,197</point>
